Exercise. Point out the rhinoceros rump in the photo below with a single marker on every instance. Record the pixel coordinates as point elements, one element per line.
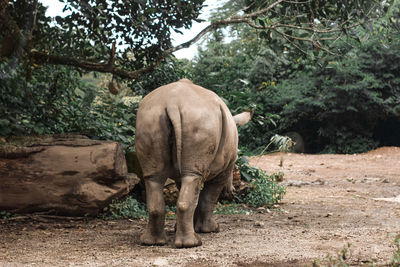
<point>187,133</point>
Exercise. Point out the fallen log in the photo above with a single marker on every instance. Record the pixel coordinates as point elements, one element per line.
<point>67,174</point>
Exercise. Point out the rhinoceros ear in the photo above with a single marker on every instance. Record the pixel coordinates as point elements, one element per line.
<point>242,118</point>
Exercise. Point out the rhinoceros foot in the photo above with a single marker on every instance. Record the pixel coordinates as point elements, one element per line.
<point>210,226</point>
<point>150,239</point>
<point>187,241</point>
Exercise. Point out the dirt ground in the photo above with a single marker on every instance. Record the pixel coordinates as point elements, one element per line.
<point>331,201</point>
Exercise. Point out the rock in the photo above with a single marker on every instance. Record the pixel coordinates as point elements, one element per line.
<point>160,262</point>
<point>171,192</point>
<point>302,183</point>
<point>298,142</point>
<point>389,199</point>
<point>258,224</point>
<point>65,174</point>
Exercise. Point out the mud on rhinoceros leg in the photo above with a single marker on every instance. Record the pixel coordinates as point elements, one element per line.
<point>203,219</point>
<point>155,232</point>
<point>185,207</point>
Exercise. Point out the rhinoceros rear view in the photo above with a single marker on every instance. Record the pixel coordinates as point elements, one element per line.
<point>187,133</point>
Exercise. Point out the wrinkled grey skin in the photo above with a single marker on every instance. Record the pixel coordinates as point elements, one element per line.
<point>186,133</point>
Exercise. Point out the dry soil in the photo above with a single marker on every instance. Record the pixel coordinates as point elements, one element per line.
<point>331,201</point>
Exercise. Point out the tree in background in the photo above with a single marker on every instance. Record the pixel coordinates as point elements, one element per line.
<point>87,36</point>
<point>339,103</point>
<point>131,39</point>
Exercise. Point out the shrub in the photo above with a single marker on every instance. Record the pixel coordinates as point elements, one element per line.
<point>128,207</point>
<point>262,189</point>
<point>396,256</point>
<point>4,215</point>
<point>337,104</point>
<point>57,100</point>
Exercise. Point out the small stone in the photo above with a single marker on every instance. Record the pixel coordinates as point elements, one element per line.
<point>160,262</point>
<point>258,224</point>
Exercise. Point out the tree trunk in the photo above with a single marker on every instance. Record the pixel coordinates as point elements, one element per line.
<point>69,175</point>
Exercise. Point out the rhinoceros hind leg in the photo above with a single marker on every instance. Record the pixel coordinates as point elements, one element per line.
<point>155,233</point>
<point>185,207</point>
<point>203,220</point>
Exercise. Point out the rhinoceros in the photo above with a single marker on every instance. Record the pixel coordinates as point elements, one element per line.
<point>187,133</point>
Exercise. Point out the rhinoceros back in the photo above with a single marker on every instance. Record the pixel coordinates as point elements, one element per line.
<point>182,128</point>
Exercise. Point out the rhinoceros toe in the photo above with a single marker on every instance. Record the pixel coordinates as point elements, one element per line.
<point>150,239</point>
<point>209,226</point>
<point>187,240</point>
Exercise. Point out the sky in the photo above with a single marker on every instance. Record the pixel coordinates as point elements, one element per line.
<point>55,8</point>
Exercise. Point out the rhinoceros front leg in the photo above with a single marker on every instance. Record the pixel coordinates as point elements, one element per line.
<point>186,205</point>
<point>155,233</point>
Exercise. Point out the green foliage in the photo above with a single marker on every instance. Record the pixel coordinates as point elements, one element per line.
<point>262,189</point>
<point>86,31</point>
<point>396,256</point>
<point>341,259</point>
<point>304,28</point>
<point>57,100</point>
<point>128,207</point>
<point>171,70</point>
<point>282,143</point>
<point>338,108</point>
<point>4,215</point>
<point>228,70</point>
<point>338,104</point>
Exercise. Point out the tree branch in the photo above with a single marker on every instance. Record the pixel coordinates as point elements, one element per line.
<point>42,57</point>
<point>109,67</point>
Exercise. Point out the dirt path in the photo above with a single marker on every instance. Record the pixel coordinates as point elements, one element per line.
<point>330,203</point>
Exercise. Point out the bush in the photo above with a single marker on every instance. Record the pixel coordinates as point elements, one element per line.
<point>338,108</point>
<point>128,207</point>
<point>262,189</point>
<point>57,100</point>
<point>337,104</point>
<point>396,255</point>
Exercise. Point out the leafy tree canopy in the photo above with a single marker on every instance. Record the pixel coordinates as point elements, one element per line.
<point>87,36</point>
<point>348,103</point>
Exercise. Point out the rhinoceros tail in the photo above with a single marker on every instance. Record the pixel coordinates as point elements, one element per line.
<point>175,117</point>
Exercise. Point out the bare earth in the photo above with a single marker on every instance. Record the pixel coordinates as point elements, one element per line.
<point>331,202</point>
